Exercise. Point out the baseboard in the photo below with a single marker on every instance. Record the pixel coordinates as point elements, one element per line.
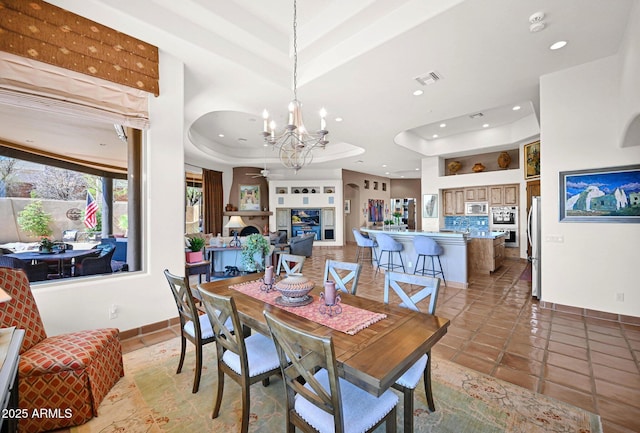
<point>593,314</point>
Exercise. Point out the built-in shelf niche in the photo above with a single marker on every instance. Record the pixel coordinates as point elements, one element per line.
<point>489,160</point>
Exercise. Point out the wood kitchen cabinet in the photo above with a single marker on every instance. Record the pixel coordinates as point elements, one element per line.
<point>503,195</point>
<point>486,255</point>
<point>453,201</point>
<point>475,194</point>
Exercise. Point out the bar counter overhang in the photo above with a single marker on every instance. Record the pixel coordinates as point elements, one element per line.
<point>454,259</point>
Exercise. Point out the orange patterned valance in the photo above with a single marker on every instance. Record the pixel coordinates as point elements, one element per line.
<point>40,31</point>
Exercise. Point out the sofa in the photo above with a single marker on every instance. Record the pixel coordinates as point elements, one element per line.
<point>302,245</point>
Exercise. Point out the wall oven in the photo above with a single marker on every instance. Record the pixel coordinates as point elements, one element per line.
<point>512,240</point>
<point>504,216</point>
<point>505,219</point>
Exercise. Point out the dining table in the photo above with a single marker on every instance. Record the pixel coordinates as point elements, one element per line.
<point>372,356</point>
<point>57,257</point>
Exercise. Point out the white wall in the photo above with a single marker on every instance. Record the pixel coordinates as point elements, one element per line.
<point>581,127</point>
<point>142,297</point>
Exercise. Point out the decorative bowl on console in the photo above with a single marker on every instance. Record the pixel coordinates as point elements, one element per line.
<point>295,290</point>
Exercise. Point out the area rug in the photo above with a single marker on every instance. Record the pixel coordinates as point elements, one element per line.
<point>151,398</point>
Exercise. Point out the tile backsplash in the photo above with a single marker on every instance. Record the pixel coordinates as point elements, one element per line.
<point>477,223</point>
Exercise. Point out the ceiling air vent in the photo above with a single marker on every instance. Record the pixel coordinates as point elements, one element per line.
<point>428,78</point>
<point>476,115</point>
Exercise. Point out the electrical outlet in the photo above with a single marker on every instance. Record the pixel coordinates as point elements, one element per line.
<point>113,311</point>
<point>619,297</point>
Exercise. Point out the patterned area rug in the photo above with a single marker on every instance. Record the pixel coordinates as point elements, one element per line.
<point>152,398</point>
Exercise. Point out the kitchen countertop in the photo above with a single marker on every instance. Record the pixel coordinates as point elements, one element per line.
<point>477,234</point>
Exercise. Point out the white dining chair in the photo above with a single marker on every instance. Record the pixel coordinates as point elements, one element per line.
<point>408,382</point>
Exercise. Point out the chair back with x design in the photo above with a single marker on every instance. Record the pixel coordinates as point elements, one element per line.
<point>291,263</point>
<point>345,275</point>
<point>430,287</point>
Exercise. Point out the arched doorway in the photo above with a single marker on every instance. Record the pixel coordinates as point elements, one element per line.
<point>352,219</point>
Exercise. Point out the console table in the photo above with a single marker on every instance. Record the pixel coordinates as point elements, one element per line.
<point>9,359</point>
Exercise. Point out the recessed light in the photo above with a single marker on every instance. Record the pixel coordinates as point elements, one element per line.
<point>220,135</point>
<point>486,125</point>
<point>386,172</point>
<point>558,45</point>
<point>338,119</point>
<point>516,108</point>
<point>443,125</point>
<point>418,92</point>
<point>401,176</point>
<point>384,165</point>
<point>417,169</point>
<point>435,135</point>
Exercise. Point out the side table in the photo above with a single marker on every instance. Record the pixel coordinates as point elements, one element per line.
<point>198,268</point>
<point>9,382</point>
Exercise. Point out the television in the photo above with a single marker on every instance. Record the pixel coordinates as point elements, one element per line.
<point>305,221</point>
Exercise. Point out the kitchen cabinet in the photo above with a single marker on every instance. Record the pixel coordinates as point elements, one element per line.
<point>503,195</point>
<point>328,224</point>
<point>486,255</point>
<point>475,194</point>
<point>453,201</point>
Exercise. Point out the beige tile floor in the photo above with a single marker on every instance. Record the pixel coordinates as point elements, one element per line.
<point>499,329</point>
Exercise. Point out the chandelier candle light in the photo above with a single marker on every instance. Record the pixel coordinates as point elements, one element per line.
<point>295,144</point>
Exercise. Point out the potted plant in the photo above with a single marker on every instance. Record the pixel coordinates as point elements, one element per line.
<point>254,249</point>
<point>46,245</point>
<point>397,217</point>
<point>196,245</point>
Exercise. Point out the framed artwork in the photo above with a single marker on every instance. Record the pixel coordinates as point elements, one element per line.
<point>249,197</point>
<point>430,206</point>
<point>532,160</point>
<point>603,195</point>
<point>347,206</point>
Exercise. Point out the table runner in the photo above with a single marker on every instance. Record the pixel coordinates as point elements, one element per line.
<point>350,321</point>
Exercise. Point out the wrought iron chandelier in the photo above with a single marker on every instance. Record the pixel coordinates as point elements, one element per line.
<point>295,144</point>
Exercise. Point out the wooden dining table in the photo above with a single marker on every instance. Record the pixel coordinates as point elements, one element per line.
<point>375,357</point>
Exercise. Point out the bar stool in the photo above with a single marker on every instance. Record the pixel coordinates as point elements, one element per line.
<point>364,243</point>
<point>427,247</point>
<point>389,245</point>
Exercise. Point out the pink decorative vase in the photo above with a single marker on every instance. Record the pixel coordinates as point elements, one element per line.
<point>193,256</point>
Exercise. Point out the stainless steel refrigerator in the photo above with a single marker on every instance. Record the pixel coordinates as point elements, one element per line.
<point>535,240</point>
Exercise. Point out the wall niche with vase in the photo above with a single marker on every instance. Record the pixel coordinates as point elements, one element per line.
<point>482,163</point>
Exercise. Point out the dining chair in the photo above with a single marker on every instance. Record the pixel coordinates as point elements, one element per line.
<point>246,360</point>
<point>291,263</point>
<point>38,271</point>
<point>408,382</point>
<point>317,399</point>
<point>194,326</point>
<point>347,282</point>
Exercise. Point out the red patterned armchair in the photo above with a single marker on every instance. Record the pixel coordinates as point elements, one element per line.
<point>69,373</point>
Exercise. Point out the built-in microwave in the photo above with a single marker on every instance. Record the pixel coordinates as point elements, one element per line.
<point>476,208</point>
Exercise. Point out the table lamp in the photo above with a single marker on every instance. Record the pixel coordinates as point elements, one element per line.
<point>235,222</point>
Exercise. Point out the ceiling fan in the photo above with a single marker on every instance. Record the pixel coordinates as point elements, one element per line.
<point>264,172</point>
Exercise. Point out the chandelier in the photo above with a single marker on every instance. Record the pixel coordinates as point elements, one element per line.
<point>295,143</point>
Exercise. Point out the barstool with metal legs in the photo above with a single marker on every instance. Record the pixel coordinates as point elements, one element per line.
<point>389,245</point>
<point>364,243</point>
<point>427,247</point>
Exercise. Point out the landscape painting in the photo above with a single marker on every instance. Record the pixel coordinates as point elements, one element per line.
<point>601,195</point>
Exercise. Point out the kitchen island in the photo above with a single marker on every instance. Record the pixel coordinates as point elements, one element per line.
<point>454,258</point>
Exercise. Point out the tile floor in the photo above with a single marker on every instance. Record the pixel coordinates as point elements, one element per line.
<point>499,329</point>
